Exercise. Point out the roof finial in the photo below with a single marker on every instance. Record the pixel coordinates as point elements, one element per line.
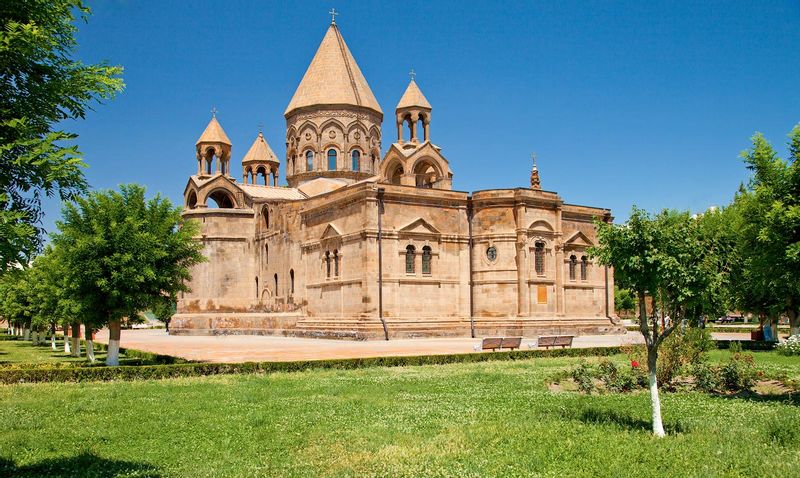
<point>412,74</point>
<point>260,127</point>
<point>213,111</point>
<point>536,182</point>
<point>333,14</point>
<point>533,157</point>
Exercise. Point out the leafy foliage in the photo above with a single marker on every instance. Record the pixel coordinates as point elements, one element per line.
<point>40,87</point>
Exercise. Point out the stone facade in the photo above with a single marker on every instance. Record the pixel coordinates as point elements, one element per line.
<point>363,246</point>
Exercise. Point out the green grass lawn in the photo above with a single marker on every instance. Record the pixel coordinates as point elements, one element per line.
<point>21,352</point>
<point>481,419</point>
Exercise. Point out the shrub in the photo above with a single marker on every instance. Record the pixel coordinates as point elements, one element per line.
<point>739,373</point>
<point>790,346</point>
<point>706,377</point>
<point>682,349</point>
<point>584,377</point>
<point>735,347</point>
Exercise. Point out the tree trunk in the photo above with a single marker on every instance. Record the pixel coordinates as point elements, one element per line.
<point>655,401</point>
<point>89,343</point>
<point>53,342</point>
<point>26,334</point>
<point>67,348</point>
<point>114,332</point>
<point>34,337</point>
<point>76,339</point>
<point>794,323</point>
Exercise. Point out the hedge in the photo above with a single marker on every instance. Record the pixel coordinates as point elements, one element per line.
<point>193,369</point>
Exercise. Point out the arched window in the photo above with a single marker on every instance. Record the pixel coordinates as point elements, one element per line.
<point>256,287</point>
<point>309,160</point>
<point>265,213</point>
<point>331,160</point>
<point>335,263</point>
<point>223,167</point>
<point>210,158</point>
<point>409,259</point>
<point>426,260</point>
<point>538,257</point>
<point>356,156</point>
<point>396,175</point>
<point>291,280</point>
<point>266,253</point>
<point>191,202</point>
<point>276,285</point>
<point>327,264</point>
<point>584,267</point>
<point>573,261</point>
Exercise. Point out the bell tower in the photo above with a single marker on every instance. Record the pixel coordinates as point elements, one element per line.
<point>213,150</point>
<point>413,110</point>
<point>260,165</point>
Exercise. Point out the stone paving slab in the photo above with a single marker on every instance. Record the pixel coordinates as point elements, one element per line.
<point>252,348</point>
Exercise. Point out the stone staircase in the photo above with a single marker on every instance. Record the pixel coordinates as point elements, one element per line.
<point>406,328</point>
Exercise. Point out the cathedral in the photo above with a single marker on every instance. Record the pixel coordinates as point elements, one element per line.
<point>366,245</point>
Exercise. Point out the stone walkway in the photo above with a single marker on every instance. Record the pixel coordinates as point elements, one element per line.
<point>250,348</point>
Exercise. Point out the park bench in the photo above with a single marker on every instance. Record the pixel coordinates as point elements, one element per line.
<point>494,343</point>
<point>555,341</point>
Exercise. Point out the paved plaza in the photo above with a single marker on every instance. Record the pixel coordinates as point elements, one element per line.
<point>254,348</point>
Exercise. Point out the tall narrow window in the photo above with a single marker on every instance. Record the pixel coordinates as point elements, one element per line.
<point>538,258</point>
<point>573,261</point>
<point>584,267</point>
<point>210,163</point>
<point>266,253</point>
<point>372,166</point>
<point>291,280</point>
<point>256,287</point>
<point>409,259</point>
<point>327,264</point>
<point>331,160</point>
<point>336,263</point>
<point>276,285</point>
<point>309,160</point>
<point>265,213</point>
<point>356,156</point>
<point>223,167</point>
<point>426,260</point>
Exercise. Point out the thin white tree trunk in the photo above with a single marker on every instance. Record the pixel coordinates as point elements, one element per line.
<point>655,401</point>
<point>26,334</point>
<point>76,346</point>
<point>53,342</point>
<point>90,350</point>
<point>114,333</point>
<point>67,348</point>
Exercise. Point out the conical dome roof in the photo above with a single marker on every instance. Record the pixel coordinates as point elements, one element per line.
<point>214,133</point>
<point>413,98</point>
<point>333,78</point>
<point>260,152</point>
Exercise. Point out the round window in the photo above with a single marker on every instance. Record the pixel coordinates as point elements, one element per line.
<point>491,253</point>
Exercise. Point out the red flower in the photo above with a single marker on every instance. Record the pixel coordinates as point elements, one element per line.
<point>634,364</point>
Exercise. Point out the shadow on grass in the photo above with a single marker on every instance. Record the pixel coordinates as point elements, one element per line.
<point>792,398</point>
<point>86,465</point>
<point>599,416</point>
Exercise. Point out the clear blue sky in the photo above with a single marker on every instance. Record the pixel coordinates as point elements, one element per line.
<point>625,102</point>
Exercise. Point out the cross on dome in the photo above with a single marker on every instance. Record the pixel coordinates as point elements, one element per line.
<point>213,111</point>
<point>412,74</point>
<point>333,14</point>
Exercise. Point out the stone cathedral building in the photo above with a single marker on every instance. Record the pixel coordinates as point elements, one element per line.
<point>363,244</point>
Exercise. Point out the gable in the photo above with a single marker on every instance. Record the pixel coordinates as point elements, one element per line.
<point>419,226</point>
<point>579,239</point>
<point>330,232</point>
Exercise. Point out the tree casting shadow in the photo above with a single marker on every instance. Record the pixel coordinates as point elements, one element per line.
<point>599,416</point>
<point>85,464</point>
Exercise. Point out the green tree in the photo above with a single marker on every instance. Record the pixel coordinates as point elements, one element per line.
<point>624,300</point>
<point>123,252</point>
<point>41,85</point>
<point>766,276</point>
<point>164,308</point>
<point>669,258</point>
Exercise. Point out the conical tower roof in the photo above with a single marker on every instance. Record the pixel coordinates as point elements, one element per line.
<point>260,151</point>
<point>333,78</point>
<point>214,133</point>
<point>413,98</point>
